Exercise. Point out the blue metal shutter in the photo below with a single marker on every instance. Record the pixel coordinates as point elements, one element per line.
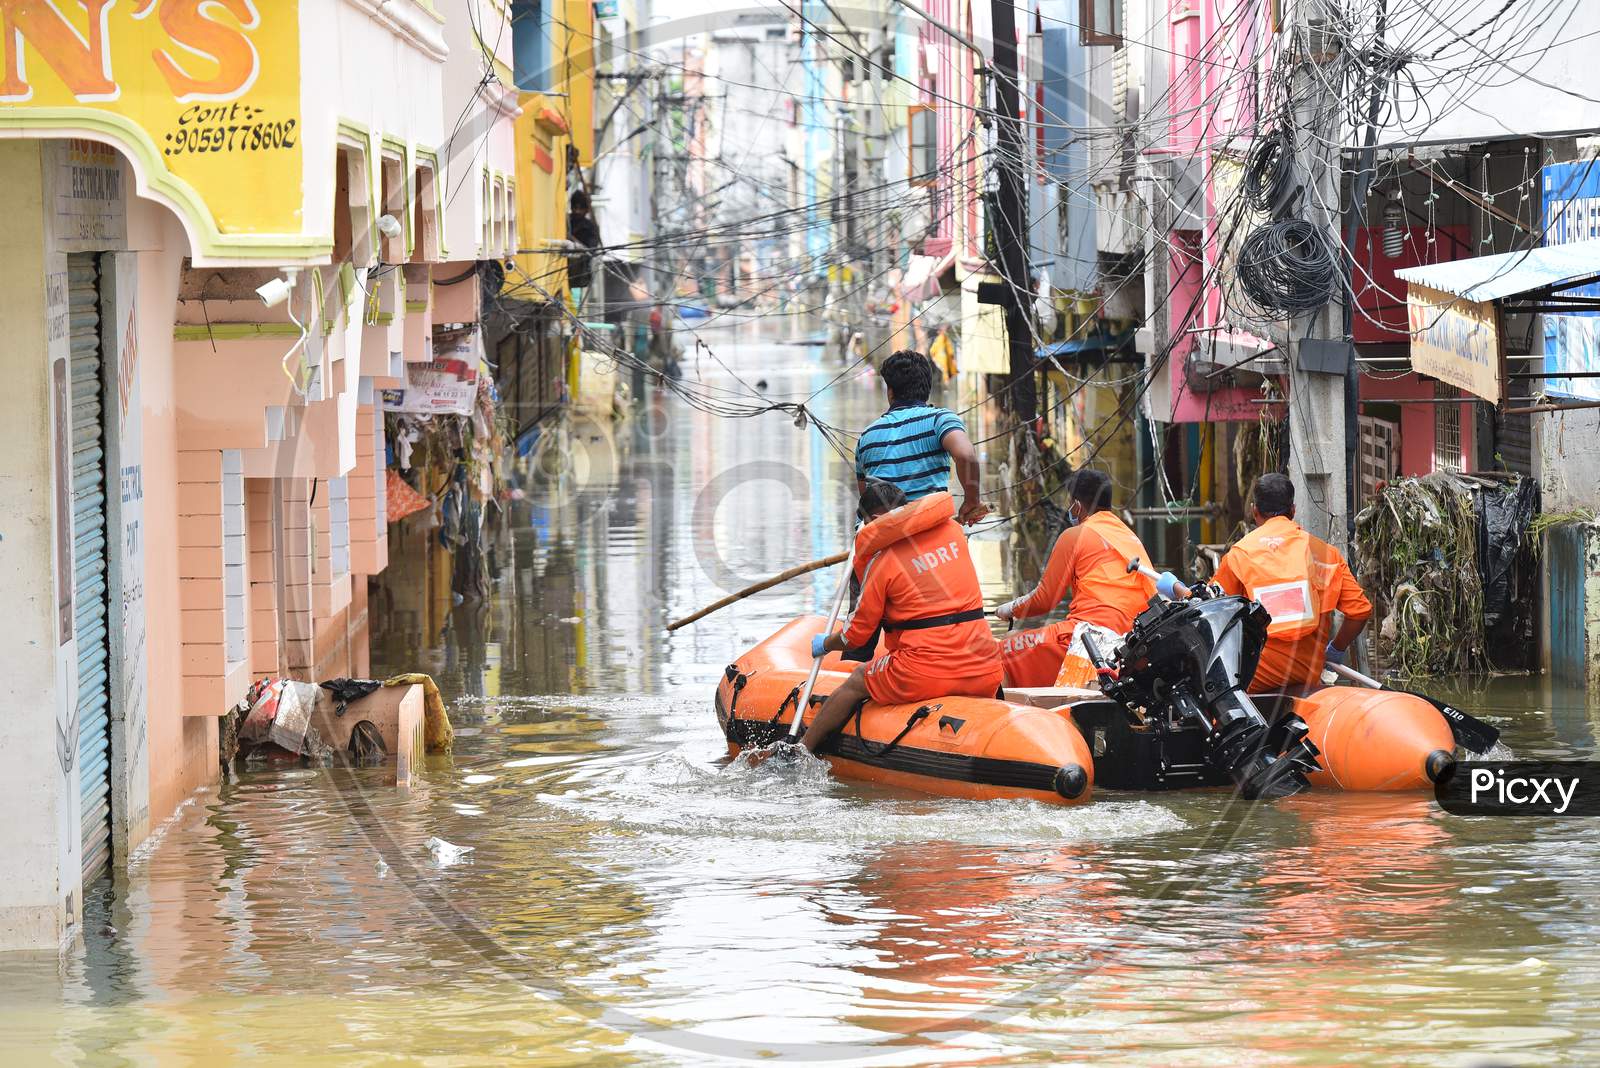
<point>89,602</point>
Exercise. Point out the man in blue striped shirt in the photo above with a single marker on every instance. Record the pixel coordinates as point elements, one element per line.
<point>913,444</point>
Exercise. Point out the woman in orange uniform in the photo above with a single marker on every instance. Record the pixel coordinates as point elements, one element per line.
<point>919,583</point>
<point>1301,581</point>
<point>1090,561</point>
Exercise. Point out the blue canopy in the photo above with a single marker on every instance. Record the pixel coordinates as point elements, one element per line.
<point>1100,341</point>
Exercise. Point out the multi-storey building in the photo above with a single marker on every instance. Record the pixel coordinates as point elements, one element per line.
<point>229,225</point>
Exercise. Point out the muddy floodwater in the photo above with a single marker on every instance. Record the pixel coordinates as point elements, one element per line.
<point>627,899</point>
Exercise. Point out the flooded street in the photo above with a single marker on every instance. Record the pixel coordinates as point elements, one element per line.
<point>628,900</point>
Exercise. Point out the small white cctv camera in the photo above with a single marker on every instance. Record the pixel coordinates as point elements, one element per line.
<point>389,226</point>
<point>274,292</point>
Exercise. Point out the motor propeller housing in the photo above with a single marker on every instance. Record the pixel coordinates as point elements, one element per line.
<point>1186,664</point>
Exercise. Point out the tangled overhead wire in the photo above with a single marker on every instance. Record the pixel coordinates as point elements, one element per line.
<point>1269,173</point>
<point>1288,267</point>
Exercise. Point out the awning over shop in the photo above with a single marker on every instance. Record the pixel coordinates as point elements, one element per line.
<point>1454,308</point>
<point>1511,274</point>
<point>1083,346</point>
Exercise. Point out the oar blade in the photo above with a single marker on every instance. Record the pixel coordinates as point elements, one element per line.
<point>1471,733</point>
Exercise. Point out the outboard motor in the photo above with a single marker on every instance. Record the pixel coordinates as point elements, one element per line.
<point>1187,663</point>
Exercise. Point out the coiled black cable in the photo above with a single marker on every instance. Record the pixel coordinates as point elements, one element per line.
<point>1287,267</point>
<point>1268,171</point>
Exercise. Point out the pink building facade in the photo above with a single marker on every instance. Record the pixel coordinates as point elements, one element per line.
<point>210,270</point>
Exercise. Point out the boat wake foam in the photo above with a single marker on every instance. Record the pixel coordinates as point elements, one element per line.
<point>676,795</point>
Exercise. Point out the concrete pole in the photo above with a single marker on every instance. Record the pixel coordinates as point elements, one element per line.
<point>1317,400</point>
<point>1354,216</point>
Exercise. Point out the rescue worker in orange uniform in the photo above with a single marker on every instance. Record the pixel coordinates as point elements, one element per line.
<point>919,583</point>
<point>1301,581</point>
<point>1090,561</point>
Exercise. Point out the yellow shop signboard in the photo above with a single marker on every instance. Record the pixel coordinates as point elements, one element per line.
<point>203,95</point>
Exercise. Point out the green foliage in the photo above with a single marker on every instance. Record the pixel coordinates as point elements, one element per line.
<point>1545,520</point>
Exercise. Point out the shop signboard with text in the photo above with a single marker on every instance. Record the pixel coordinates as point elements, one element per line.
<point>202,95</point>
<point>1456,341</point>
<point>438,387</point>
<point>1572,341</point>
<point>447,384</point>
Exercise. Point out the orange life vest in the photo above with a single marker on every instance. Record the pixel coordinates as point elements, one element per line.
<point>1091,560</point>
<point>1300,580</point>
<point>916,575</point>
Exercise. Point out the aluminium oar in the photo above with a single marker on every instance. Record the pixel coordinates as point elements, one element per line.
<point>757,587</point>
<point>804,699</point>
<point>1471,733</point>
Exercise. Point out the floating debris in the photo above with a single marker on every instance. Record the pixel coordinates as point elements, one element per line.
<point>1448,564</point>
<point>446,853</point>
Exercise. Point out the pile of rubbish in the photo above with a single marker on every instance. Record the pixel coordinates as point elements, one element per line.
<point>275,714</point>
<point>276,719</point>
<point>1448,563</point>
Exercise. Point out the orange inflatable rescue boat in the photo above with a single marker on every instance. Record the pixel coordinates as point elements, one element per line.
<point>957,747</point>
<point>1174,714</point>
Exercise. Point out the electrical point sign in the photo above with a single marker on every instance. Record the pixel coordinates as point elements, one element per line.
<point>203,95</point>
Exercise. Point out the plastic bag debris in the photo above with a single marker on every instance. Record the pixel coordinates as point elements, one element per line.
<point>446,853</point>
<point>280,714</point>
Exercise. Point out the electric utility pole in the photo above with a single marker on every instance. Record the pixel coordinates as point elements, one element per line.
<point>1011,216</point>
<point>1320,357</point>
<point>1355,215</point>
<point>662,285</point>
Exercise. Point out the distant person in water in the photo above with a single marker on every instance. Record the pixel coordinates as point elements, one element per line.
<point>913,445</point>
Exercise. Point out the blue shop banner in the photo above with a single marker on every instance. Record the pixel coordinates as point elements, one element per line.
<point>1572,213</point>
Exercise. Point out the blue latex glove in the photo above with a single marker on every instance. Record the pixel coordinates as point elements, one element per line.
<point>1335,656</point>
<point>1167,585</point>
<point>816,646</point>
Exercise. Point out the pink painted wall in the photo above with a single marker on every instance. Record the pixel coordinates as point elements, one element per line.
<point>456,303</point>
<point>952,67</point>
<point>1417,421</point>
<point>1211,108</point>
<point>182,748</point>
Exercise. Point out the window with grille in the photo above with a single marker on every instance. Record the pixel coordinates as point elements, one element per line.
<point>1446,429</point>
<point>922,120</point>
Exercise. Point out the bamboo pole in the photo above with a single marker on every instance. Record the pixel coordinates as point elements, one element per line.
<point>764,584</point>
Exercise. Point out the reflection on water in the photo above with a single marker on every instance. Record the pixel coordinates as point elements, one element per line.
<point>629,900</point>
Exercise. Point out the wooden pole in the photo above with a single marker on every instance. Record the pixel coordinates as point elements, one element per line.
<point>764,584</point>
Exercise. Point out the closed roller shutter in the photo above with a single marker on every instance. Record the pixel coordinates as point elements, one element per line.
<point>89,599</point>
